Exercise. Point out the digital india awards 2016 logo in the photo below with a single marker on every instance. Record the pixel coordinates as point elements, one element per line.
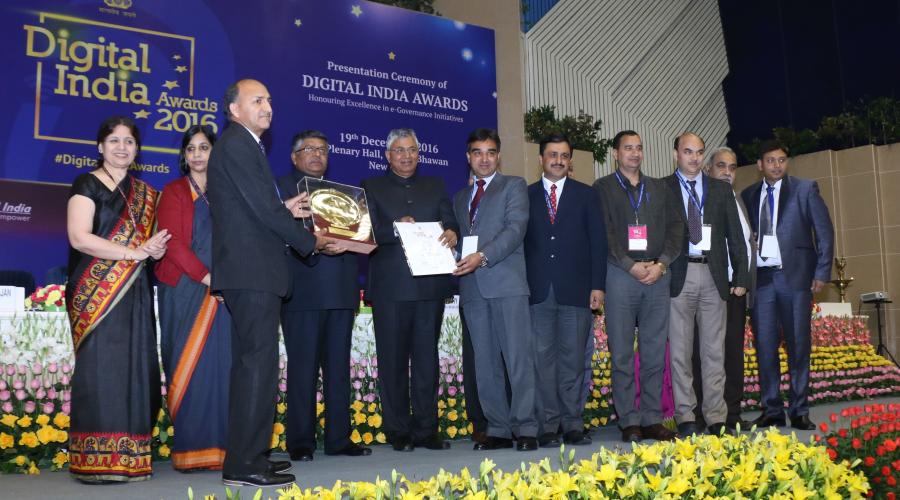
<point>86,64</point>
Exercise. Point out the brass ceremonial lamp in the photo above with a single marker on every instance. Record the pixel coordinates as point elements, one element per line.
<point>841,283</point>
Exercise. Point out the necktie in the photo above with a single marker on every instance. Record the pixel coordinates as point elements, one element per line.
<point>552,210</point>
<point>473,208</point>
<point>695,230</point>
<point>765,222</point>
<point>262,148</point>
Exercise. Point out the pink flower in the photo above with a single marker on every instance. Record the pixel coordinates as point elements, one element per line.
<point>52,367</point>
<point>2,385</point>
<point>64,380</point>
<point>164,389</point>
<point>4,395</point>
<point>451,391</point>
<point>22,369</point>
<point>319,396</point>
<point>441,391</point>
<point>357,385</point>
<point>7,407</point>
<point>459,378</point>
<point>48,408</point>
<point>66,368</point>
<point>51,393</point>
<point>37,368</point>
<point>67,395</point>
<point>40,394</point>
<point>20,394</point>
<point>10,370</point>
<point>282,386</point>
<point>67,408</point>
<point>35,383</point>
<point>29,407</point>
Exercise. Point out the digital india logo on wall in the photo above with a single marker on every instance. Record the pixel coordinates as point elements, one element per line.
<point>89,68</point>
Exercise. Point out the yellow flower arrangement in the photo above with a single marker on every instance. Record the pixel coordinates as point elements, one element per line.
<point>42,420</point>
<point>6,441</point>
<point>29,439</point>
<point>9,420</point>
<point>24,421</point>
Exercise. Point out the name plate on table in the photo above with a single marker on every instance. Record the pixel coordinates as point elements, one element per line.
<point>341,211</point>
<point>425,254</point>
<point>12,299</point>
<point>835,309</point>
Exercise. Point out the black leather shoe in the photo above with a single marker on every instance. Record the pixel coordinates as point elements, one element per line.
<point>302,454</point>
<point>719,429</point>
<point>479,436</point>
<point>493,443</point>
<point>734,423</point>
<point>403,443</point>
<point>526,443</point>
<point>548,440</point>
<point>632,434</point>
<point>803,423</point>
<point>576,438</point>
<point>658,432</point>
<point>351,450</point>
<point>769,420</point>
<point>688,428</point>
<point>434,442</point>
<point>260,479</point>
<point>279,466</point>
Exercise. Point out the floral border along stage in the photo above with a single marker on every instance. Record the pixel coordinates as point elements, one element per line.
<point>36,365</point>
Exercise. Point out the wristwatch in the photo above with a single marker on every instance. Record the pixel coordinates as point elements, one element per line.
<point>483,260</point>
<point>662,268</point>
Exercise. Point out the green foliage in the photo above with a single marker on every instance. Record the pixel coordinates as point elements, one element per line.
<point>583,131</point>
<point>876,121</point>
<point>426,6</point>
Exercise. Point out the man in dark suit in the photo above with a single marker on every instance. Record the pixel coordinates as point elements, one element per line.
<point>317,322</point>
<point>407,310</point>
<point>493,290</point>
<point>796,246</point>
<point>700,284</point>
<point>565,255</point>
<point>722,164</point>
<point>644,231</point>
<point>251,231</point>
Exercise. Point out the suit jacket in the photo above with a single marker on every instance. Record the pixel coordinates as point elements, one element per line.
<point>251,226</point>
<point>804,230</point>
<point>390,198</point>
<point>751,245</point>
<point>719,210</point>
<point>176,213</point>
<point>500,226</point>
<point>320,281</point>
<point>569,254</point>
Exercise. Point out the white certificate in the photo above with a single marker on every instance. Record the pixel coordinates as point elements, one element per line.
<point>424,252</point>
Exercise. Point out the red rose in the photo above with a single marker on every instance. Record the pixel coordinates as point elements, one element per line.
<point>832,454</point>
<point>842,432</point>
<point>885,471</point>
<point>856,444</point>
<point>889,445</point>
<point>891,481</point>
<point>891,496</point>
<point>823,427</point>
<point>833,417</point>
<point>833,441</point>
<point>870,461</point>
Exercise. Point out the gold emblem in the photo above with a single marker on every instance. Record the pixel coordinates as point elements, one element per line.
<point>118,4</point>
<point>337,208</point>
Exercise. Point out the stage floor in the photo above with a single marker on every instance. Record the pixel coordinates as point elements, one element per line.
<point>325,470</point>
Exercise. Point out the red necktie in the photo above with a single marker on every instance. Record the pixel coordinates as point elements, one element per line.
<point>473,208</point>
<point>552,209</point>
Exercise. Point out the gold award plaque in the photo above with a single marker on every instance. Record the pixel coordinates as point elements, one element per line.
<point>341,211</point>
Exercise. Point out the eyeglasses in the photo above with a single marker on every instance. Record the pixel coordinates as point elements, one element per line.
<point>478,153</point>
<point>558,156</point>
<point>412,150</point>
<point>312,150</point>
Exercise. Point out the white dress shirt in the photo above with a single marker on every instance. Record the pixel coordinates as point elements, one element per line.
<point>771,261</point>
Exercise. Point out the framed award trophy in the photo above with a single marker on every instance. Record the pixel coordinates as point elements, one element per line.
<point>341,211</point>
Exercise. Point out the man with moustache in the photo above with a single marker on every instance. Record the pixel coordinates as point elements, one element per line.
<point>722,164</point>
<point>251,230</point>
<point>493,290</point>
<point>407,310</point>
<point>795,239</point>
<point>317,322</point>
<point>700,284</point>
<point>565,255</point>
<point>645,234</point>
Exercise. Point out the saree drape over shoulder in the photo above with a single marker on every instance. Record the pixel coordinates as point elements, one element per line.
<point>116,384</point>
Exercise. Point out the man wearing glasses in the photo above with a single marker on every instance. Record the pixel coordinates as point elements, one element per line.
<point>565,253</point>
<point>795,239</point>
<point>317,321</point>
<point>407,310</point>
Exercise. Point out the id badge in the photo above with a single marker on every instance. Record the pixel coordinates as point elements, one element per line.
<point>469,246</point>
<point>637,237</point>
<point>769,247</point>
<point>706,238</point>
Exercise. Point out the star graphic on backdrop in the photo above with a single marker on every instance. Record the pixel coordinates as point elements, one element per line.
<point>356,10</point>
<point>298,22</point>
<point>176,57</point>
<point>392,56</point>
<point>181,69</point>
<point>141,114</point>
<point>170,84</point>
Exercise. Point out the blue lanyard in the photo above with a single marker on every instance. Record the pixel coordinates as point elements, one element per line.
<point>693,199</point>
<point>636,205</point>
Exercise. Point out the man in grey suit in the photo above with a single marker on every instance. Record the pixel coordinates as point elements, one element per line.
<point>721,164</point>
<point>700,284</point>
<point>493,290</point>
<point>795,239</point>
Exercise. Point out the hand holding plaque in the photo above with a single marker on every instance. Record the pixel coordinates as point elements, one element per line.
<point>340,211</point>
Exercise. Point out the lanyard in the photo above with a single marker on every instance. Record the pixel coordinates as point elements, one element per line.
<point>197,189</point>
<point>635,205</point>
<point>691,196</point>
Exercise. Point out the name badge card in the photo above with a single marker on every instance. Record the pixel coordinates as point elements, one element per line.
<point>769,248</point>
<point>470,246</point>
<point>706,238</point>
<point>637,237</point>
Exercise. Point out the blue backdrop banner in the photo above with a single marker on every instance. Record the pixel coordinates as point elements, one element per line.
<point>352,69</point>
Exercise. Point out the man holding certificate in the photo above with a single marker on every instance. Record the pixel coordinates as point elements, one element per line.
<point>407,309</point>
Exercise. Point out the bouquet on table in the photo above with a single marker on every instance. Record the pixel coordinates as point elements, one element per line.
<point>47,299</point>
